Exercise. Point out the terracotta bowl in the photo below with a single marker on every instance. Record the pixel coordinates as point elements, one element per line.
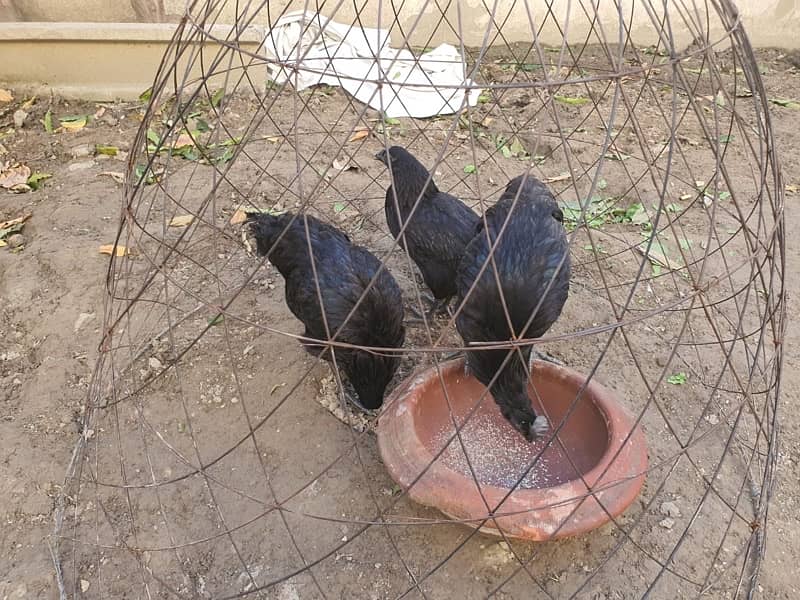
<point>589,453</point>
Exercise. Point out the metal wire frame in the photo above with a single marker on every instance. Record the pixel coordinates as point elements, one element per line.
<point>734,285</point>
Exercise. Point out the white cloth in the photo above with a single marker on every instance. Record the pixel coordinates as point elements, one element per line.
<point>358,59</point>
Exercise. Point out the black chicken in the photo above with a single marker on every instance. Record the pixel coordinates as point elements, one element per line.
<point>439,229</point>
<point>531,255</point>
<point>344,271</point>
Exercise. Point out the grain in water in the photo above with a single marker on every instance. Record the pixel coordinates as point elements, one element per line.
<point>499,455</point>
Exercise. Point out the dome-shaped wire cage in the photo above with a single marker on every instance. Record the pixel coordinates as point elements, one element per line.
<point>214,461</point>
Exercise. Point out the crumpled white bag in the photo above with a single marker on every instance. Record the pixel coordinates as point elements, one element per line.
<point>359,59</point>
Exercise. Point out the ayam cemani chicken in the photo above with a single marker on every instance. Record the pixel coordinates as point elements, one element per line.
<point>437,232</point>
<point>343,270</point>
<point>533,269</point>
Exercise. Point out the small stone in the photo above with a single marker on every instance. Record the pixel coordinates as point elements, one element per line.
<point>234,400</point>
<point>88,434</point>
<point>670,509</point>
<point>667,523</point>
<point>19,118</point>
<point>84,586</point>
<point>713,419</point>
<point>81,166</point>
<point>504,546</point>
<point>16,240</point>
<point>82,320</point>
<point>82,151</point>
<point>154,363</point>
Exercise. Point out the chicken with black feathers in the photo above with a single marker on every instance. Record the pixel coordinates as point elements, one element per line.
<point>344,271</point>
<point>533,269</point>
<point>439,229</point>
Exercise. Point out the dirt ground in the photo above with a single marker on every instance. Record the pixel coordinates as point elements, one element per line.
<point>53,289</point>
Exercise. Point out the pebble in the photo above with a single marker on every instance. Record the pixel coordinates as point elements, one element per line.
<point>80,166</point>
<point>154,363</point>
<point>82,320</point>
<point>670,509</point>
<point>16,240</point>
<point>84,586</point>
<point>19,118</point>
<point>713,419</point>
<point>82,151</point>
<point>667,523</point>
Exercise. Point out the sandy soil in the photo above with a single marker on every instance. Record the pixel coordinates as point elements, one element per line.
<point>159,426</point>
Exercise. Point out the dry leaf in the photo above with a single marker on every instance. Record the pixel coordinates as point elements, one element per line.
<point>12,176</point>
<point>3,243</point>
<point>238,217</point>
<point>12,222</point>
<point>562,177</point>
<point>359,135</point>
<point>5,96</point>
<point>110,249</point>
<point>183,140</point>
<point>181,220</point>
<point>74,125</point>
<point>115,175</point>
<point>273,139</point>
<point>792,189</point>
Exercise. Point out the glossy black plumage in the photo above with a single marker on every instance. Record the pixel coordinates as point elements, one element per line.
<point>440,227</point>
<point>528,257</point>
<point>344,271</point>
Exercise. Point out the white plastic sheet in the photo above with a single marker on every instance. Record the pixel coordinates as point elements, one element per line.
<point>312,49</point>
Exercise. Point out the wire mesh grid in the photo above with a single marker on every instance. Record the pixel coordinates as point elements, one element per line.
<point>213,460</point>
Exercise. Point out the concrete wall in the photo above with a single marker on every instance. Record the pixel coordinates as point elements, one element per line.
<point>116,51</point>
<point>768,22</point>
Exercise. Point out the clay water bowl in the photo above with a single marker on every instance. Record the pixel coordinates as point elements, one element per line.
<point>554,500</point>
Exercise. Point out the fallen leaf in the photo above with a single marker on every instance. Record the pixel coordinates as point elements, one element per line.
<point>238,217</point>
<point>785,103</point>
<point>111,249</point>
<point>555,178</point>
<point>181,220</point>
<point>217,97</point>
<point>184,140</point>
<point>216,320</point>
<point>469,169</point>
<point>12,222</point>
<point>48,122</point>
<point>338,207</point>
<point>677,379</point>
<point>28,103</point>
<point>3,244</point>
<point>107,150</point>
<point>571,101</point>
<point>792,189</point>
<point>36,178</point>
<point>359,135</point>
<point>146,95</point>
<point>74,123</point>
<point>115,175</point>
<point>14,175</point>
<point>5,96</point>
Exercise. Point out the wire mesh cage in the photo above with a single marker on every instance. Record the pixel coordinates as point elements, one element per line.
<point>218,459</point>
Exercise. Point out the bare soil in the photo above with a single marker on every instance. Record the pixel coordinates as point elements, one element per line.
<point>246,403</point>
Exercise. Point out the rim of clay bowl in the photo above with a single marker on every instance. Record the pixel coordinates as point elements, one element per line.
<point>530,513</point>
